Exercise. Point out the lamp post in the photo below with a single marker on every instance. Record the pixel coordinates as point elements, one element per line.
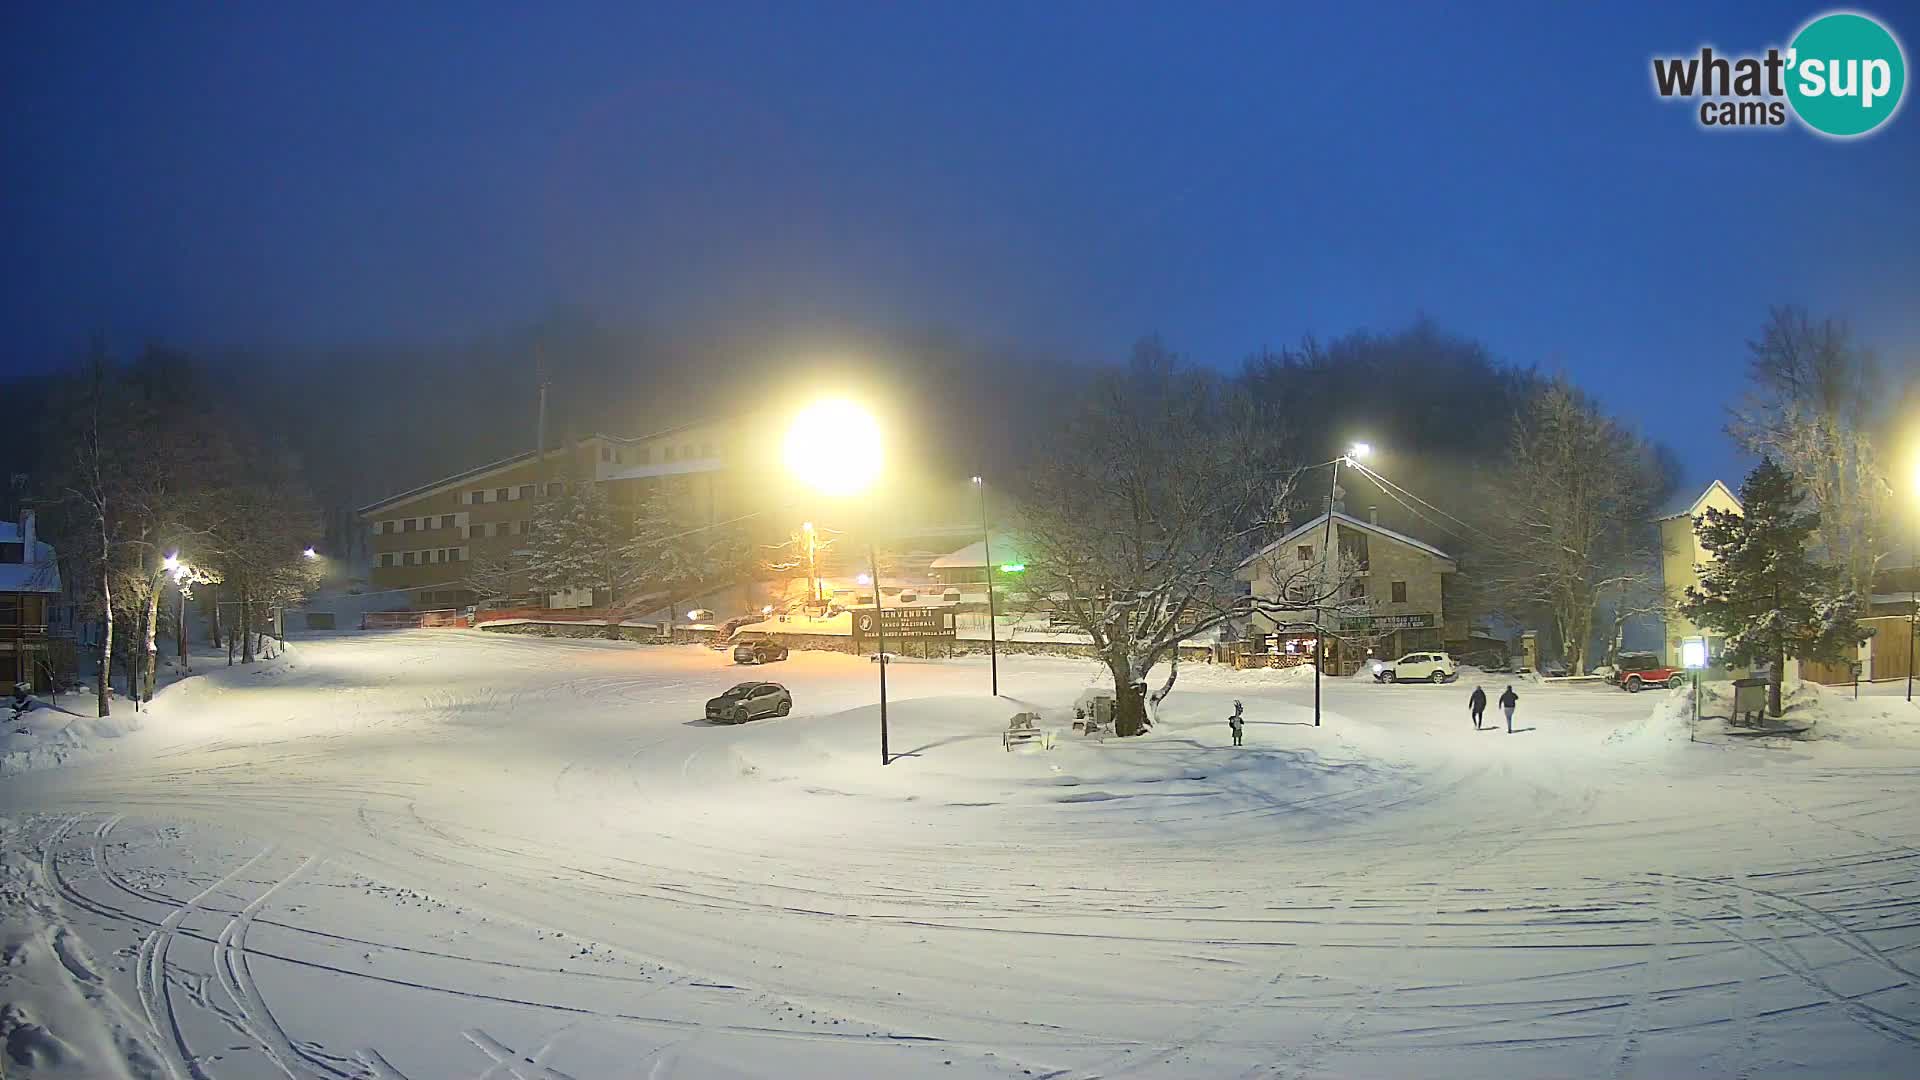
<point>1354,453</point>
<point>834,447</point>
<point>986,557</point>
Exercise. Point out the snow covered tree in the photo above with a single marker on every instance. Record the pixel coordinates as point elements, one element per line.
<point>1812,408</point>
<point>1567,517</point>
<point>1137,518</point>
<point>1763,590</point>
<point>577,543</point>
<point>665,554</point>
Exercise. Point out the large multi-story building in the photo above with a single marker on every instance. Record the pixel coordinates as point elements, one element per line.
<point>425,541</point>
<point>29,586</point>
<point>1396,591</point>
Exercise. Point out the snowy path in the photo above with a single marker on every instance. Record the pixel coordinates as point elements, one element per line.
<point>447,854</point>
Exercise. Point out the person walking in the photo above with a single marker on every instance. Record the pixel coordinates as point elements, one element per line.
<point>1477,705</point>
<point>1507,701</point>
<point>1237,724</point>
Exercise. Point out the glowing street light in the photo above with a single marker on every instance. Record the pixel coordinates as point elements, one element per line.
<point>834,447</point>
<point>1360,451</point>
<point>311,554</point>
<point>1354,454</point>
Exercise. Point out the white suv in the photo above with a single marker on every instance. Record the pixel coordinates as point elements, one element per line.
<point>1418,667</point>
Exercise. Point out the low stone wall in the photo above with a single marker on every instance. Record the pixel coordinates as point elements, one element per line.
<point>645,634</point>
<point>919,648</point>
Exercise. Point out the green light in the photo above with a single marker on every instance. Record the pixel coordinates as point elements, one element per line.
<point>1012,567</point>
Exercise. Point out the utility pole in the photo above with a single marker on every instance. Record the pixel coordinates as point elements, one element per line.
<point>880,634</point>
<point>993,615</point>
<point>1320,610</point>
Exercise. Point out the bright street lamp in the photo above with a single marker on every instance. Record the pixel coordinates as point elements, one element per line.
<point>1360,451</point>
<point>834,447</point>
<point>311,554</point>
<point>1354,453</point>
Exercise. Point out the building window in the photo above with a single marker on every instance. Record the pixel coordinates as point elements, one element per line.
<point>446,521</point>
<point>526,491</point>
<point>1399,592</point>
<point>1304,553</point>
<point>379,528</point>
<point>1357,590</point>
<point>407,525</point>
<point>475,498</point>
<point>706,449</point>
<point>406,558</point>
<point>686,450</point>
<point>386,558</point>
<point>646,455</point>
<point>669,453</point>
<point>606,454</point>
<point>555,488</point>
<point>502,494</point>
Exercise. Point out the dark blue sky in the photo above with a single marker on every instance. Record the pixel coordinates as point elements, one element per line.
<point>1074,176</point>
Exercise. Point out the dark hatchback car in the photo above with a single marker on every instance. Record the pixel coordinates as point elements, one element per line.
<point>750,701</point>
<point>758,650</point>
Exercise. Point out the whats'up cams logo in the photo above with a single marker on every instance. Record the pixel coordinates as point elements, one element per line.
<point>1843,75</point>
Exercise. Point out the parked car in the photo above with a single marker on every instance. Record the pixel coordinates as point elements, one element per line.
<point>750,701</point>
<point>758,649</point>
<point>1435,667</point>
<point>1633,672</point>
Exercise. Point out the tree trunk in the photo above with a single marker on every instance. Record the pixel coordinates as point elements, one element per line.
<point>1129,704</point>
<point>219,635</point>
<point>246,625</point>
<point>106,632</point>
<point>150,654</point>
<point>1774,678</point>
<point>1160,695</point>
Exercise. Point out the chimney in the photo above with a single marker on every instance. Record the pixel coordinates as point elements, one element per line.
<point>27,552</point>
<point>1373,515</point>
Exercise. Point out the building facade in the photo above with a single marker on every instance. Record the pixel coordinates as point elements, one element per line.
<point>1394,602</point>
<point>426,542</point>
<point>29,588</point>
<point>1681,557</point>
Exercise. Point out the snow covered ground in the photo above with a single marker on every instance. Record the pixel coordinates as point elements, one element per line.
<point>452,854</point>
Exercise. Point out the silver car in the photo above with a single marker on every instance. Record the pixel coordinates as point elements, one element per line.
<point>750,701</point>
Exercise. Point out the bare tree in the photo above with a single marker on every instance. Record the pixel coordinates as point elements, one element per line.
<point>1138,517</point>
<point>1568,517</point>
<point>1811,410</point>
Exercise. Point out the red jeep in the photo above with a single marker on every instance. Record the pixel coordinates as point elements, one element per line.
<point>1637,670</point>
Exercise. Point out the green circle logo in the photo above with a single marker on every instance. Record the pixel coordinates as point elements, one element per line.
<point>1846,74</point>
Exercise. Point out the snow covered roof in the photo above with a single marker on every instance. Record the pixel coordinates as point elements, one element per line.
<point>1354,523</point>
<point>39,574</point>
<point>667,468</point>
<point>448,481</point>
<point>1005,550</point>
<point>1682,506</point>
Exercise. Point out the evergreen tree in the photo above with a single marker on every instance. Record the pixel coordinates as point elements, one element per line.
<point>665,554</point>
<point>1762,590</point>
<point>576,544</point>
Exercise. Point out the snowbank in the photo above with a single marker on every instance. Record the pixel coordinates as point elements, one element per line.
<point>50,735</point>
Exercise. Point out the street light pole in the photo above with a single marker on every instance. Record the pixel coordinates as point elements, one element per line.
<point>880,633</point>
<point>986,550</point>
<point>1913,616</point>
<point>180,626</point>
<point>1320,610</point>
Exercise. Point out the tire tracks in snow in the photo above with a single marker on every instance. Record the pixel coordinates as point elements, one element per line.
<point>150,975</point>
<point>230,966</point>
